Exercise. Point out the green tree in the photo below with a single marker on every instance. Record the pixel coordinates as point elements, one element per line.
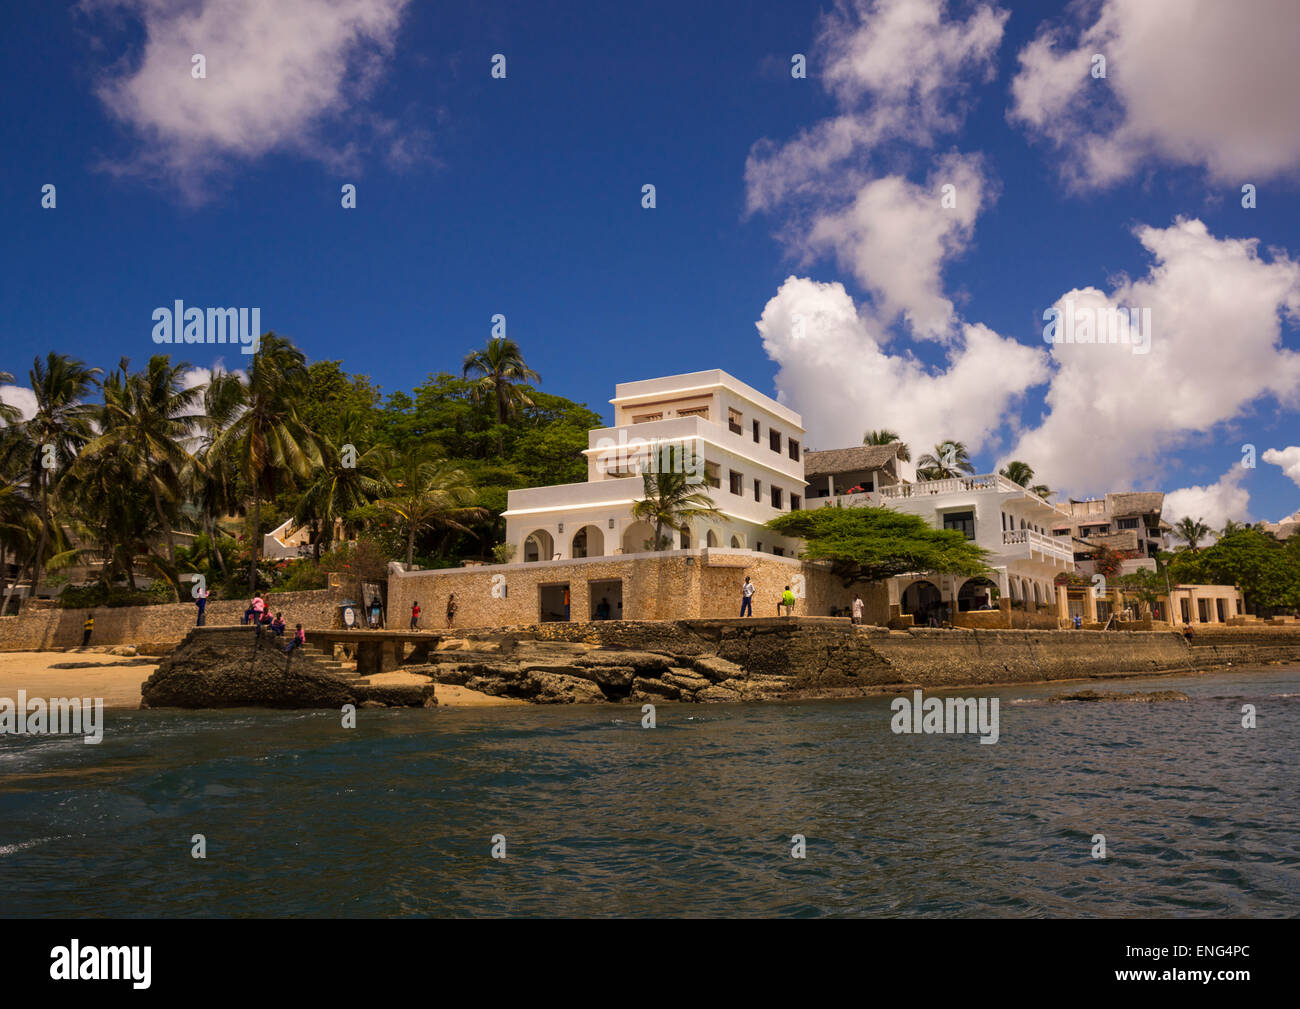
<point>1018,472</point>
<point>950,459</point>
<point>1193,531</point>
<point>670,501</point>
<point>268,440</point>
<point>345,482</point>
<point>499,368</point>
<point>870,544</point>
<point>430,494</point>
<point>883,436</point>
<point>1266,571</point>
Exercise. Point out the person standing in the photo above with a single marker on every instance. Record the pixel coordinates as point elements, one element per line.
<point>747,597</point>
<point>201,601</point>
<point>787,600</point>
<point>259,607</point>
<point>415,615</point>
<point>374,614</point>
<point>857,608</point>
<point>87,628</point>
<point>566,602</point>
<point>451,608</point>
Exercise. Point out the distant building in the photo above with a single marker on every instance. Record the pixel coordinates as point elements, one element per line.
<point>1129,523</point>
<point>1284,529</point>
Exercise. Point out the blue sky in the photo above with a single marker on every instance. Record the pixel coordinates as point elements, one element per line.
<point>522,196</point>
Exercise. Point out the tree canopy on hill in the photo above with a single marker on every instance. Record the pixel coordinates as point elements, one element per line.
<point>1265,569</point>
<point>868,544</point>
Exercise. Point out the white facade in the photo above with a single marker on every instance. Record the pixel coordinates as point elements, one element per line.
<point>745,448</point>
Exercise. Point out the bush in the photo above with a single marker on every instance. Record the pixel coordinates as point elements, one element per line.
<point>100,594</point>
<point>301,576</point>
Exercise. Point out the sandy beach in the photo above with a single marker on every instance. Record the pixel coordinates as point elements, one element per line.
<point>117,680</point>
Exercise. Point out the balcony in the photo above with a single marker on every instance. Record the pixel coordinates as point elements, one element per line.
<point>1047,546</point>
<point>985,483</point>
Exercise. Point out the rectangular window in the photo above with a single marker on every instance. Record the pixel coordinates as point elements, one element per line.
<point>963,522</point>
<point>712,474</point>
<point>796,502</point>
<point>695,411</point>
<point>733,422</point>
<point>756,430</point>
<point>737,482</point>
<point>774,439</point>
<point>758,490</point>
<point>778,551</point>
<point>645,418</point>
<point>1128,523</point>
<point>777,495</point>
<point>794,449</point>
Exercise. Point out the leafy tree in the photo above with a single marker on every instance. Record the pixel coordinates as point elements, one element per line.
<point>499,368</point>
<point>429,493</point>
<point>883,436</point>
<point>1266,571</point>
<point>1193,531</point>
<point>870,544</point>
<point>670,501</point>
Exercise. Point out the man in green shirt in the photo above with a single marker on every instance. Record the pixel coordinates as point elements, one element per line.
<point>787,600</point>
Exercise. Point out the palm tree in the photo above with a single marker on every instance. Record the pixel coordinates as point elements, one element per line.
<point>887,437</point>
<point>1232,526</point>
<point>1018,472</point>
<point>267,439</point>
<point>1042,490</point>
<point>145,421</point>
<point>671,501</point>
<point>1193,531</point>
<point>9,414</point>
<point>338,489</point>
<point>213,477</point>
<point>61,425</point>
<point>429,493</point>
<point>950,459</point>
<point>497,367</point>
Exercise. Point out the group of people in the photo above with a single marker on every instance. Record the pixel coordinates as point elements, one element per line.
<point>259,615</point>
<point>786,605</point>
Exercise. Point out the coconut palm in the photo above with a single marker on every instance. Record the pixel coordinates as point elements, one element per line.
<point>497,368</point>
<point>1193,531</point>
<point>884,436</point>
<point>341,485</point>
<point>429,493</point>
<point>950,459</point>
<point>671,501</point>
<point>9,414</point>
<point>267,441</point>
<point>1042,490</point>
<point>213,478</point>
<point>146,419</point>
<point>50,440</point>
<point>1018,472</point>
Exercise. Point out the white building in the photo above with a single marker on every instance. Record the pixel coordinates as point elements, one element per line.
<point>743,447</point>
<point>746,450</point>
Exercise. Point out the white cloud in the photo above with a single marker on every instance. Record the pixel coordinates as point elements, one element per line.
<point>1188,82</point>
<point>274,72</point>
<point>1213,504</point>
<point>1216,309</point>
<point>896,236</point>
<point>834,371</point>
<point>1288,459</point>
<point>898,70</point>
<point>21,397</point>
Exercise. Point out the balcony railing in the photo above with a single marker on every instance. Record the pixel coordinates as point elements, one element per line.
<point>1038,541</point>
<point>981,484</point>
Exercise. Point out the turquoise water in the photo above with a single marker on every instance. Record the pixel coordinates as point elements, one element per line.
<point>694,817</point>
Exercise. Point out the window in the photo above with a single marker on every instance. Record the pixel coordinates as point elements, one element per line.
<point>794,449</point>
<point>796,502</point>
<point>645,418</point>
<point>1060,532</point>
<point>778,551</point>
<point>694,411</point>
<point>733,422</point>
<point>1127,523</point>
<point>737,482</point>
<point>777,495</point>
<point>686,539</point>
<point>712,474</point>
<point>774,439</point>
<point>963,522</point>
<point>758,491</point>
<point>756,430</point>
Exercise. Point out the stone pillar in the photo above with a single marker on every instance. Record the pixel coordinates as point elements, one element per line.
<point>1089,606</point>
<point>1062,603</point>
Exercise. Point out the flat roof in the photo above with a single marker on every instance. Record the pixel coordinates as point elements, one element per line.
<point>629,393</point>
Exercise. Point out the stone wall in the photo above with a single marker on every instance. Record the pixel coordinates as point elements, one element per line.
<point>677,585</point>
<point>41,625</point>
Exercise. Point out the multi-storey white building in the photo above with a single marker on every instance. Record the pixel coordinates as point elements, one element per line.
<point>743,448</point>
<point>746,450</point>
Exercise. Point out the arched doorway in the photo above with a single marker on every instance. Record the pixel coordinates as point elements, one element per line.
<point>638,538</point>
<point>711,539</point>
<point>538,546</point>
<point>976,594</point>
<point>588,541</point>
<point>923,600</point>
<point>735,543</point>
<point>1038,599</point>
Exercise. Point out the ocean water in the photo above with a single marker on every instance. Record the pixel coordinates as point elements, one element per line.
<point>694,817</point>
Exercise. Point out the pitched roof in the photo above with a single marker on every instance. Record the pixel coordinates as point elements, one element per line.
<point>849,460</point>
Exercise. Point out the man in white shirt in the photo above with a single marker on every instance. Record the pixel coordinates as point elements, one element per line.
<point>857,608</point>
<point>747,597</point>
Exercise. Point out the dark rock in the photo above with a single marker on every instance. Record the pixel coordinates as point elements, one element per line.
<point>1136,696</point>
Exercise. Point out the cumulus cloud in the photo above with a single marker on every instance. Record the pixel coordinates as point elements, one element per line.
<point>897,70</point>
<point>1213,504</point>
<point>1188,82</point>
<point>21,397</point>
<point>896,236</point>
<point>833,366</point>
<point>1216,309</point>
<point>1288,459</point>
<point>275,72</point>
